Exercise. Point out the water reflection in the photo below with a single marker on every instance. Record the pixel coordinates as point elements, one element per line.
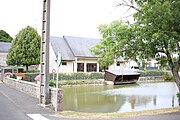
<point>89,99</point>
<point>120,98</point>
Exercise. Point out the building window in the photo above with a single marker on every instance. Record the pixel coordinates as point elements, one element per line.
<point>64,63</point>
<point>150,65</point>
<point>80,67</point>
<point>91,67</point>
<point>156,65</point>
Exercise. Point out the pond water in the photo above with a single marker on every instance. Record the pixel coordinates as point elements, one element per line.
<point>120,98</point>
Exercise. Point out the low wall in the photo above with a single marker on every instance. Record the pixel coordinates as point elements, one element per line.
<point>53,99</point>
<point>24,86</point>
<point>33,89</point>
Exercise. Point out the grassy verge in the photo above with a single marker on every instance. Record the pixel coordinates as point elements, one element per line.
<point>71,114</point>
<point>76,82</point>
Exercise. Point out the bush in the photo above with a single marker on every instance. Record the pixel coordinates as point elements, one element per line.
<point>168,77</point>
<point>96,76</point>
<point>52,83</point>
<point>151,73</point>
<point>30,76</point>
<point>22,75</point>
<point>78,76</point>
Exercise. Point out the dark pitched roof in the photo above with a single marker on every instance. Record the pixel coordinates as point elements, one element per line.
<point>121,59</point>
<point>4,46</point>
<point>59,44</point>
<point>81,46</point>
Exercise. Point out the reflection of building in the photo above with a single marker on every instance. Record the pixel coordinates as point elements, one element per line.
<point>136,101</point>
<point>83,99</point>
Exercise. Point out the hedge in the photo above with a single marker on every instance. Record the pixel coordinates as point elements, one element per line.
<point>68,76</point>
<point>152,73</point>
<point>90,76</point>
<point>30,76</point>
<point>79,76</point>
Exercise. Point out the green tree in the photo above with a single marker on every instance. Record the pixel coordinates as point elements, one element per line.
<point>5,37</point>
<point>25,48</point>
<point>115,36</point>
<point>154,34</point>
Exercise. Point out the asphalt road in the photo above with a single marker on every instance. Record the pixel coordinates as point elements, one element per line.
<point>15,105</point>
<point>9,110</point>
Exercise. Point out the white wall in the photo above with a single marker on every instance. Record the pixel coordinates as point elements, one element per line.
<point>52,64</point>
<point>71,66</point>
<point>3,59</point>
<point>68,68</point>
<point>125,66</point>
<point>152,63</point>
<point>115,67</point>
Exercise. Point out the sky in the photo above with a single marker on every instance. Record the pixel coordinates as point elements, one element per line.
<point>79,18</point>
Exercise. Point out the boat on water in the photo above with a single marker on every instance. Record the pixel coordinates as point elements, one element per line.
<point>121,76</point>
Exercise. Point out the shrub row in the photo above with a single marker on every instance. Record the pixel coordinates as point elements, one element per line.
<point>75,82</point>
<point>90,76</point>
<point>79,76</point>
<point>28,76</point>
<point>152,73</point>
<point>168,77</point>
<point>67,76</point>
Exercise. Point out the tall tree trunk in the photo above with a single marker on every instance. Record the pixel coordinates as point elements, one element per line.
<point>176,76</point>
<point>26,68</point>
<point>174,69</point>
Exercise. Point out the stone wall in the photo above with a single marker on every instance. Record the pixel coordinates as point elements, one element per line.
<point>24,86</point>
<point>53,99</point>
<point>33,89</point>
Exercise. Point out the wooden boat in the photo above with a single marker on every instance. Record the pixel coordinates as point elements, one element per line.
<point>121,76</point>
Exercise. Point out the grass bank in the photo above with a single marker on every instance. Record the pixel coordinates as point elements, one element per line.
<point>76,82</point>
<point>72,114</point>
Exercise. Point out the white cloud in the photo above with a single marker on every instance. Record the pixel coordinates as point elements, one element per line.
<point>68,17</point>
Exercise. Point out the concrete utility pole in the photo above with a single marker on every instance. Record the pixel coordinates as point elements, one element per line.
<point>44,60</point>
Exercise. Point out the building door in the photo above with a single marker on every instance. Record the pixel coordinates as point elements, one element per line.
<point>80,67</point>
<point>91,67</point>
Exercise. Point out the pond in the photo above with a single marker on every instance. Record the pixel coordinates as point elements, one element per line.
<point>120,98</point>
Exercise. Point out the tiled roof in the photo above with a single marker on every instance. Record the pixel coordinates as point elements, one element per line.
<point>59,44</point>
<point>81,46</point>
<point>4,46</point>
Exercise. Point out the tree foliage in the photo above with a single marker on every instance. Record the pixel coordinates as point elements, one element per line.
<point>5,37</point>
<point>154,34</point>
<point>25,48</point>
<point>115,37</point>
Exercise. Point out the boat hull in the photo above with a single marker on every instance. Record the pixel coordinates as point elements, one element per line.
<point>119,77</point>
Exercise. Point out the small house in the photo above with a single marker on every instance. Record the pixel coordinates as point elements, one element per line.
<point>76,54</point>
